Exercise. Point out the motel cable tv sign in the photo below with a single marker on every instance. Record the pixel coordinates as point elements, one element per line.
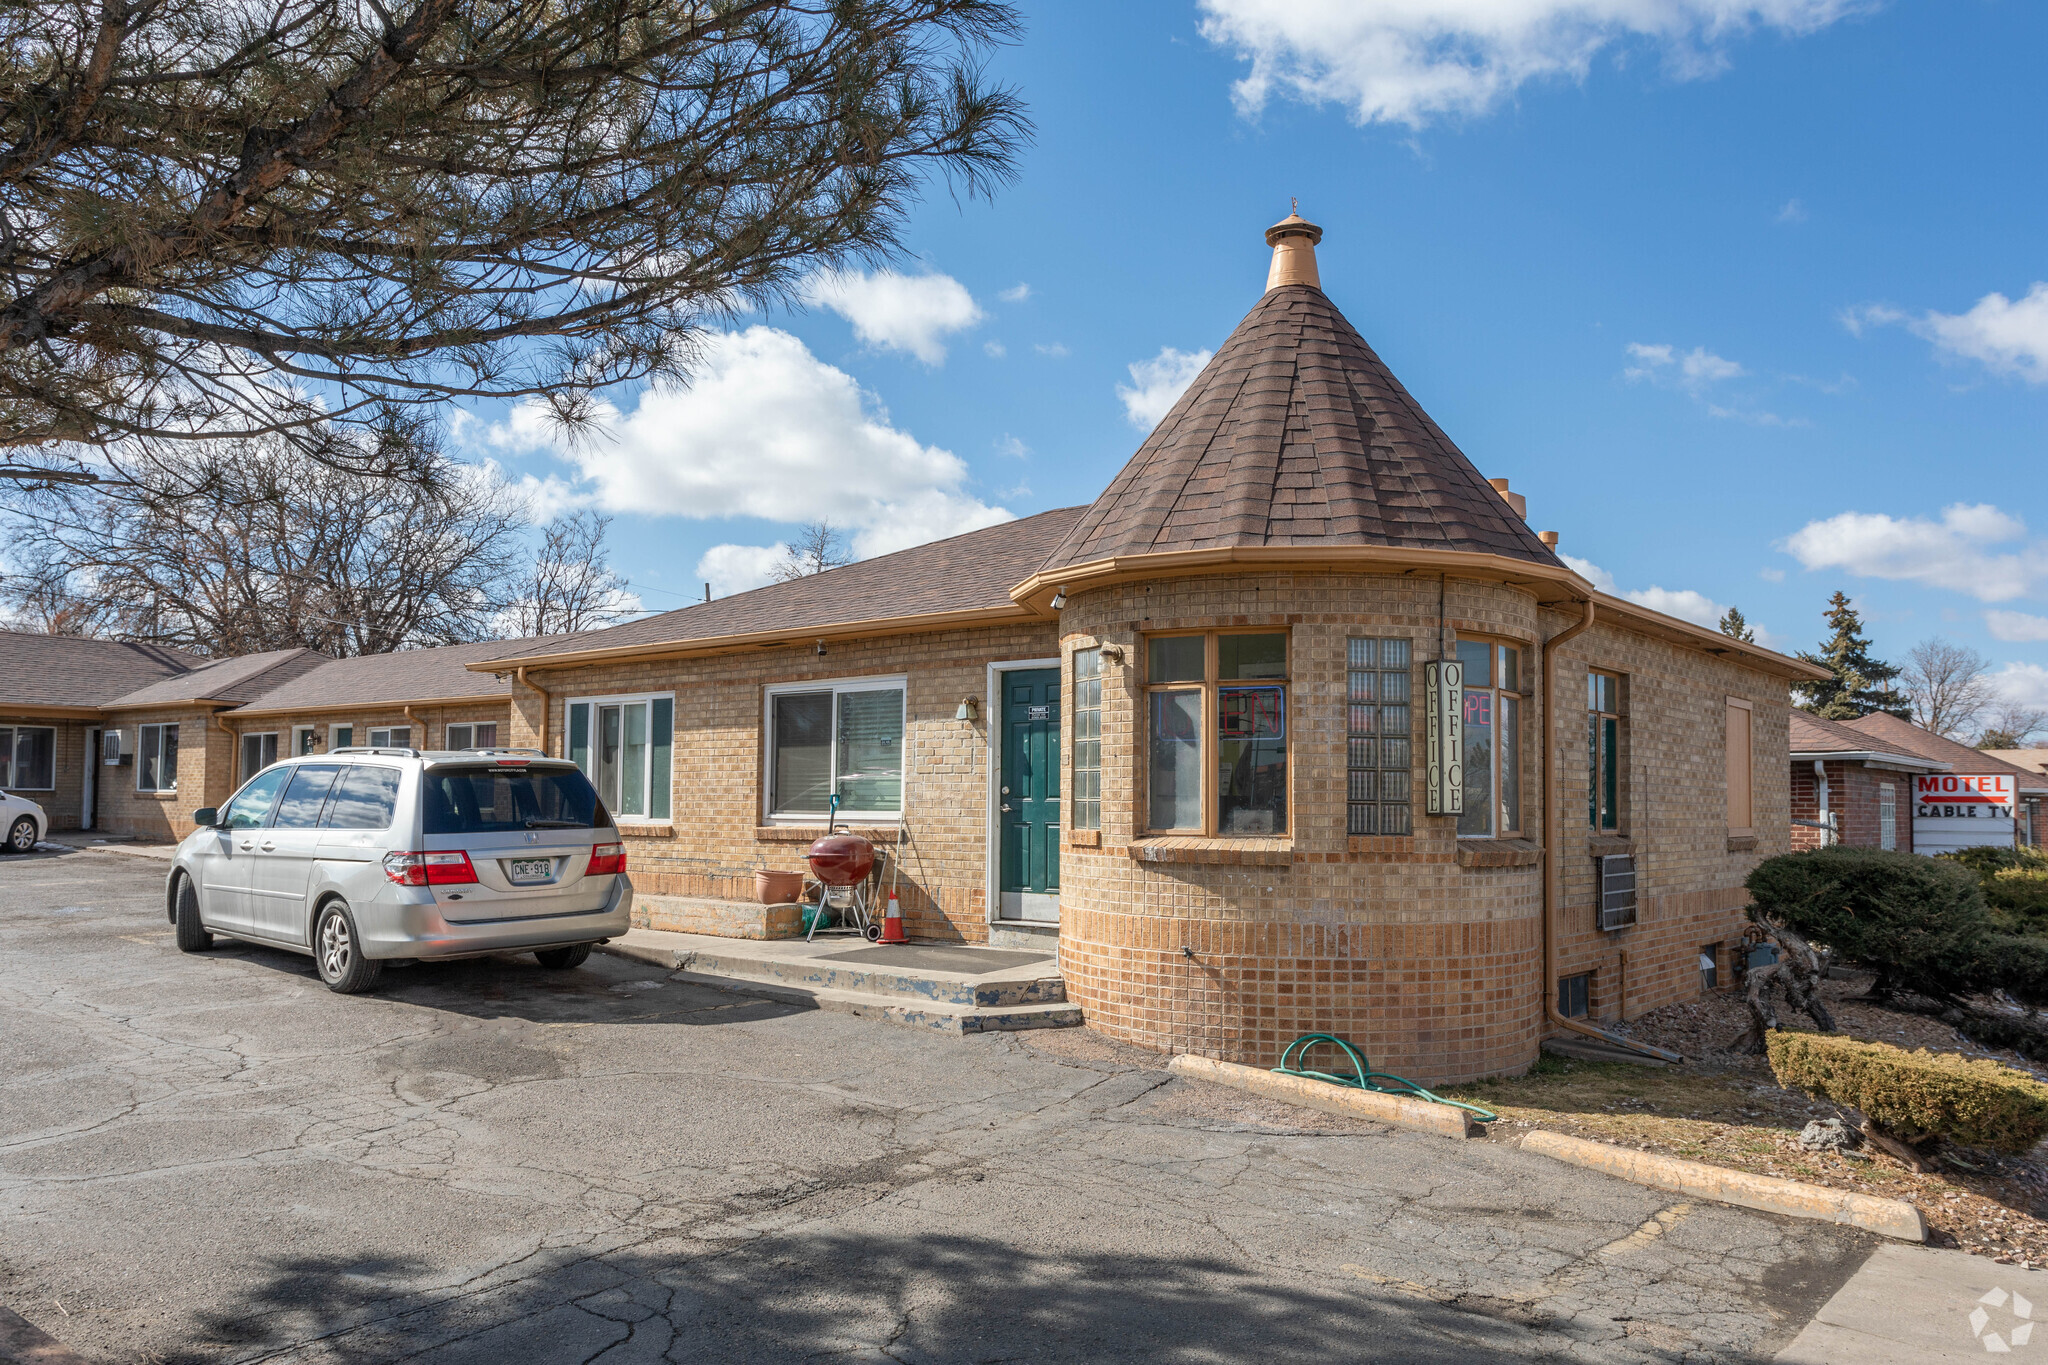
<point>1962,810</point>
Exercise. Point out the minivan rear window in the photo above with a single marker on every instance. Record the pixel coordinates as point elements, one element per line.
<point>366,797</point>
<point>494,800</point>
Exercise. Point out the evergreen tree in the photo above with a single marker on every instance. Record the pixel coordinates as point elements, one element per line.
<point>1861,684</point>
<point>1734,624</point>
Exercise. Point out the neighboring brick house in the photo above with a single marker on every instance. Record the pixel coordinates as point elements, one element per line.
<point>2032,785</point>
<point>1180,734</point>
<point>2033,803</point>
<point>51,690</point>
<point>1856,783</point>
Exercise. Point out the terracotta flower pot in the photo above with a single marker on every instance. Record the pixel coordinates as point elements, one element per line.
<point>777,888</point>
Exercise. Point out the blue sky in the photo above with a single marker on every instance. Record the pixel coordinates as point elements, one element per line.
<point>1736,291</point>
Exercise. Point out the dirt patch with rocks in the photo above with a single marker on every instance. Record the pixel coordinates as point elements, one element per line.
<point>1726,1108</point>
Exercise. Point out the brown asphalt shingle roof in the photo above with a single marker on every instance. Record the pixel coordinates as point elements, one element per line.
<point>1812,735</point>
<point>967,572</point>
<point>1962,758</point>
<point>1296,434</point>
<point>64,670</point>
<point>228,680</point>
<point>408,675</point>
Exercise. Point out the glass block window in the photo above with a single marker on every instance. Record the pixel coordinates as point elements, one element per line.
<point>1085,809</point>
<point>1380,761</point>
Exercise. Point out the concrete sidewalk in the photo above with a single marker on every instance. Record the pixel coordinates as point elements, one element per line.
<point>85,841</point>
<point>1918,1306</point>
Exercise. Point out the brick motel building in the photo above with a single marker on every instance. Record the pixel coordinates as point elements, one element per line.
<point>1858,777</point>
<point>1195,735</point>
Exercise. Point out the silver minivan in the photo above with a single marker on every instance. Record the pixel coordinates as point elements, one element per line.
<point>360,856</point>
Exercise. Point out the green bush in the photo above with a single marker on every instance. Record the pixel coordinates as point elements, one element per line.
<point>2015,884</point>
<point>1918,922</point>
<point>1915,1094</point>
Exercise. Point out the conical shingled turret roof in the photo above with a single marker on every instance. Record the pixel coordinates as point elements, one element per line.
<point>1297,435</point>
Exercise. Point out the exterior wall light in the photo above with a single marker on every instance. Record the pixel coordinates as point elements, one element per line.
<point>969,709</point>
<point>821,649</point>
<point>1059,597</point>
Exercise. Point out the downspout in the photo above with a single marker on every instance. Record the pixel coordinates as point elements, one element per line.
<point>546,702</point>
<point>419,724</point>
<point>1820,793</point>
<point>1551,833</point>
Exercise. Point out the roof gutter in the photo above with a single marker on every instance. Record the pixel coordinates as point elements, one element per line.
<point>1871,756</point>
<point>368,704</point>
<point>1551,834</point>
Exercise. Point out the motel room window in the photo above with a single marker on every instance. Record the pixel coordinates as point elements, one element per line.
<point>1603,752</point>
<point>28,758</point>
<point>623,745</point>
<point>156,758</point>
<point>1216,718</point>
<point>340,737</point>
<point>481,735</point>
<point>1493,739</point>
<point>391,737</point>
<point>1887,816</point>
<point>839,738</point>
<point>1379,758</point>
<point>258,752</point>
<point>1741,791</point>
<point>1084,811</point>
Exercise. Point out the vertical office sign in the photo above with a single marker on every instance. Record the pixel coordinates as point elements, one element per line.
<point>1445,741</point>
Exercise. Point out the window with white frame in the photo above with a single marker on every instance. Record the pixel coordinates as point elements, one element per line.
<point>841,739</point>
<point>340,737</point>
<point>1887,816</point>
<point>258,752</point>
<point>624,746</point>
<point>479,735</point>
<point>28,758</point>
<point>391,737</point>
<point>156,758</point>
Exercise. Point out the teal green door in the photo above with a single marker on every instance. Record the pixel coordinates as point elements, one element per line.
<point>1029,795</point>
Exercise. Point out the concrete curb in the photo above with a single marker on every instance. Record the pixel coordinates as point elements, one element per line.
<point>1420,1115</point>
<point>21,1343</point>
<point>1771,1194</point>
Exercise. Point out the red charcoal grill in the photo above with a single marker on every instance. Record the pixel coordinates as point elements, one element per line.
<point>841,863</point>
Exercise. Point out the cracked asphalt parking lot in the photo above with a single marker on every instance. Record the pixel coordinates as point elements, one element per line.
<point>213,1158</point>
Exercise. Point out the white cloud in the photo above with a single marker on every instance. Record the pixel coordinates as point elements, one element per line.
<point>1054,349</point>
<point>2022,684</point>
<point>1793,212</point>
<point>1684,603</point>
<point>995,350</point>
<point>1954,553</point>
<point>765,429</point>
<point>912,313</point>
<point>1412,61</point>
<point>1009,445</point>
<point>1693,371</point>
<point>2006,337</point>
<point>1771,575</point>
<point>738,568</point>
<point>2017,627</point>
<point>1016,293</point>
<point>1157,384</point>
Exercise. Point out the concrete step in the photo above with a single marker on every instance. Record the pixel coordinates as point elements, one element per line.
<point>956,999</point>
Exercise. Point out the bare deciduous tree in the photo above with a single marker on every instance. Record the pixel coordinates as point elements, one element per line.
<point>235,548</point>
<point>2012,726</point>
<point>570,585</point>
<point>816,547</point>
<point>220,220</point>
<point>1947,686</point>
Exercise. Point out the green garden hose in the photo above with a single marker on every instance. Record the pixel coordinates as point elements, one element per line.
<point>1364,1078</point>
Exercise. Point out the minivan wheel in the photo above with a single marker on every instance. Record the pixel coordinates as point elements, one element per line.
<point>338,952</point>
<point>562,959</point>
<point>192,935</point>
<point>22,838</point>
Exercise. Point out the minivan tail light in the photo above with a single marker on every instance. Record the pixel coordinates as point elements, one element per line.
<point>428,869</point>
<point>606,858</point>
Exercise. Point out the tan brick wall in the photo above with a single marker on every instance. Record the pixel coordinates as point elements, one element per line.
<point>205,775</point>
<point>429,724</point>
<point>715,838</point>
<point>63,802</point>
<point>1432,967</point>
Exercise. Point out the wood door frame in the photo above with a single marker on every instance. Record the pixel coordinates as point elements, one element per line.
<point>992,847</point>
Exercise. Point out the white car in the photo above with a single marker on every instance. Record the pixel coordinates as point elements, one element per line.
<point>24,823</point>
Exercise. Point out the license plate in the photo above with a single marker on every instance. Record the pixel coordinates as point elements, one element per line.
<point>532,869</point>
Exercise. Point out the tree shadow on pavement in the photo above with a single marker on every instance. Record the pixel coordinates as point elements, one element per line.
<point>940,1300</point>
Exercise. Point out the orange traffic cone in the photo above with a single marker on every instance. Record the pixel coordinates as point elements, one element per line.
<point>892,923</point>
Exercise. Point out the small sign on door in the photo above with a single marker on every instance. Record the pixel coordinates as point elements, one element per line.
<point>1040,711</point>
